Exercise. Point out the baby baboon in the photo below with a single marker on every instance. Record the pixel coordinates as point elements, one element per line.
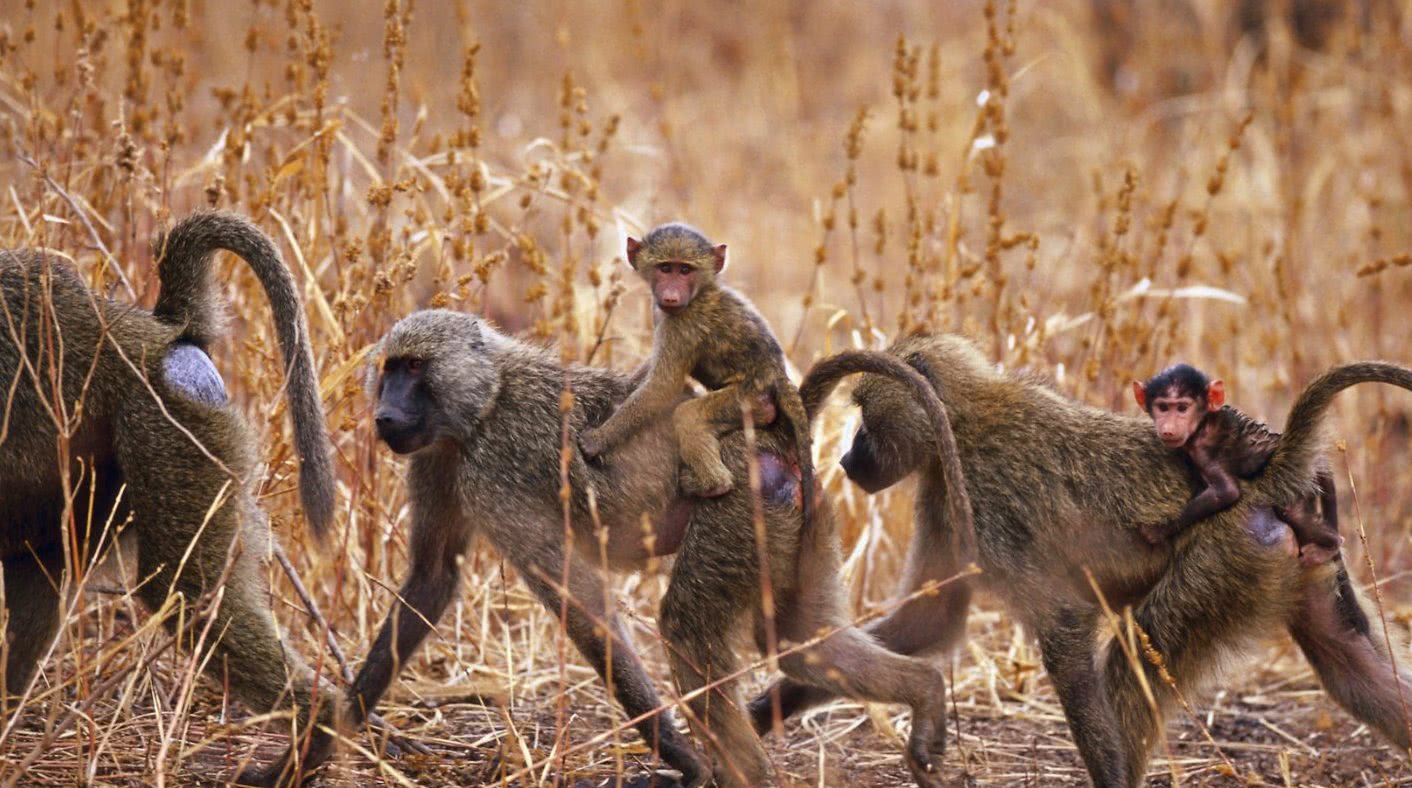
<point>1056,490</point>
<point>116,412</point>
<point>479,413</point>
<point>1222,443</point>
<point>710,332</point>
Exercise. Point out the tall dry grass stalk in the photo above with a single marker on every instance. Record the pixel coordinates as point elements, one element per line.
<point>875,169</point>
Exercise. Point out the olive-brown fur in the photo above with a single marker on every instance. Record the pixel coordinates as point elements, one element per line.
<point>151,438</point>
<point>1057,491</point>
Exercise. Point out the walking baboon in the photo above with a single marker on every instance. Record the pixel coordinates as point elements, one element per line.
<point>479,413</point>
<point>1057,489</point>
<point>115,412</point>
<point>1191,418</point>
<point>710,332</point>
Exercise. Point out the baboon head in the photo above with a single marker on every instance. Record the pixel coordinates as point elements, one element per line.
<point>437,377</point>
<point>1177,399</point>
<point>894,439</point>
<point>676,261</point>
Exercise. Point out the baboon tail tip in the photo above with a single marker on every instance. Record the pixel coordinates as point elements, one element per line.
<point>316,491</point>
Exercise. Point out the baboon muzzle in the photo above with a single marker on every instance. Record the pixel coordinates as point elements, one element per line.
<point>402,434</point>
<point>860,463</point>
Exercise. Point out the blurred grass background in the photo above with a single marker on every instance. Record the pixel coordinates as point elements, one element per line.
<point>1091,190</point>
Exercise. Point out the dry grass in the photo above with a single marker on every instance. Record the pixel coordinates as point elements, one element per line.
<point>972,173</point>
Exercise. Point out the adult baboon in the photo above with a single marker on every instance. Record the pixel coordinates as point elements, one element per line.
<point>479,413</point>
<point>1058,490</point>
<point>114,412</point>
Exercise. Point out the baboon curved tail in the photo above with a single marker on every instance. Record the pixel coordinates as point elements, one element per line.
<point>825,375</point>
<point>1301,441</point>
<point>188,300</point>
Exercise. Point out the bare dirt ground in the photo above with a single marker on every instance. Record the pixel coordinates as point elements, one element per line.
<point>1268,723</point>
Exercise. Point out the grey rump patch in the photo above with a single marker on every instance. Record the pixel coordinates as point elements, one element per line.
<point>1265,526</point>
<point>189,370</point>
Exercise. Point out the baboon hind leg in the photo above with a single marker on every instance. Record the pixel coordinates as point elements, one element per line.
<point>598,635</point>
<point>697,423</point>
<point>851,662</point>
<point>31,596</point>
<point>928,624</point>
<point>172,508</point>
<point>1350,665</point>
<point>714,582</point>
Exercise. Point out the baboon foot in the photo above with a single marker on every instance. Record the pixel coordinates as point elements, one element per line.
<point>926,746</point>
<point>1154,533</point>
<point>706,482</point>
<point>286,772</point>
<point>397,746</point>
<point>701,776</point>
<point>762,713</point>
<point>277,776</point>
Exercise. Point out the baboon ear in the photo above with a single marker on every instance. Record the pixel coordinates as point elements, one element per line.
<point>633,246</point>
<point>1140,394</point>
<point>476,337</point>
<point>1216,394</point>
<point>720,254</point>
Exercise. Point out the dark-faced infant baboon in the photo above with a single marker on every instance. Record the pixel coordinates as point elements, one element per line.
<point>114,412</point>
<point>479,414</point>
<point>1057,491</point>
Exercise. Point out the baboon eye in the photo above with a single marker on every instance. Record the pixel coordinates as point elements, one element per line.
<point>684,269</point>
<point>414,365</point>
<point>664,268</point>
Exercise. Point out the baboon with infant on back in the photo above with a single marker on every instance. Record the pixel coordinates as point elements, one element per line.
<point>1058,490</point>
<point>479,414</point>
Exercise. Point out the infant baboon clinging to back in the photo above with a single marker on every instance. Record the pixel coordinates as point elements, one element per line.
<point>1224,444</point>
<point>712,333</point>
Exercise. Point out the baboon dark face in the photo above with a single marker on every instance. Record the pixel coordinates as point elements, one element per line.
<point>889,445</point>
<point>865,464</point>
<point>404,406</point>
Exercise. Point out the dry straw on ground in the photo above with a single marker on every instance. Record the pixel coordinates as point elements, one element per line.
<point>1088,196</point>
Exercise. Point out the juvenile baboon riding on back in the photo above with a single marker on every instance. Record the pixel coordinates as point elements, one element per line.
<point>712,333</point>
<point>115,412</point>
<point>478,413</point>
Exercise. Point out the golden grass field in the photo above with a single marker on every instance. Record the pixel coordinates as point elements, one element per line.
<point>1243,202</point>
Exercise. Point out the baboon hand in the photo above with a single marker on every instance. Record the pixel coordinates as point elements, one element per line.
<point>1155,533</point>
<point>591,443</point>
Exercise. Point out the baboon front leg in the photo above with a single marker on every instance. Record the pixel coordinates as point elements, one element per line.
<point>695,421</point>
<point>1351,668</point>
<point>1066,639</point>
<point>31,600</point>
<point>714,581</point>
<point>439,538</point>
<point>598,635</point>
